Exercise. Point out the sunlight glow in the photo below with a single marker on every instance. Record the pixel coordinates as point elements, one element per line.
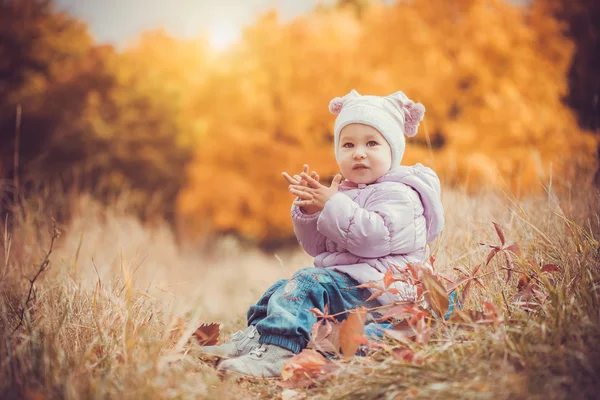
<point>222,36</point>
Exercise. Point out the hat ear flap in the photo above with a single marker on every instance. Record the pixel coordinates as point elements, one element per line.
<point>336,105</point>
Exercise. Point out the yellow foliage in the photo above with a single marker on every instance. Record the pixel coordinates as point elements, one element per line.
<point>491,75</point>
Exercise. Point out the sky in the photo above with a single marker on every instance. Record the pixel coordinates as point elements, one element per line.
<point>121,21</point>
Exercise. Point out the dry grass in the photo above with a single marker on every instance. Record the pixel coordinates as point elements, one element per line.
<point>99,322</point>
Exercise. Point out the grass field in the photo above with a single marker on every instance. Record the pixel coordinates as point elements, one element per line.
<point>111,313</point>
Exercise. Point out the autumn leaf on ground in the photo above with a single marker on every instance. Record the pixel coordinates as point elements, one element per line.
<point>424,332</point>
<point>399,336</point>
<point>324,336</point>
<point>407,355</point>
<point>435,294</point>
<point>467,317</point>
<point>305,369</point>
<point>208,334</point>
<point>551,268</point>
<point>492,315</point>
<point>352,332</point>
<point>398,311</point>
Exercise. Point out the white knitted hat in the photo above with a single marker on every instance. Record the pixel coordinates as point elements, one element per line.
<point>393,116</point>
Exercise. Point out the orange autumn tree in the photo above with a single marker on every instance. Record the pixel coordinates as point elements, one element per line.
<point>119,122</point>
<point>268,113</point>
<point>491,74</point>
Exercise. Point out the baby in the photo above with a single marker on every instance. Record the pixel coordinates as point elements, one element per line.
<point>382,214</point>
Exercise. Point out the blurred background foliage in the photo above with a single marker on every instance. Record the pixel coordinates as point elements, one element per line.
<point>199,137</point>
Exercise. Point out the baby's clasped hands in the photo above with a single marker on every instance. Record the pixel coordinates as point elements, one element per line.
<point>297,179</point>
<point>314,195</point>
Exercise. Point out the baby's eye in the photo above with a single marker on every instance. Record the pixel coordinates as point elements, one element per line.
<point>348,145</point>
<point>372,143</point>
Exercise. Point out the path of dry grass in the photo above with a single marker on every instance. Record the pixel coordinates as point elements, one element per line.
<point>102,314</point>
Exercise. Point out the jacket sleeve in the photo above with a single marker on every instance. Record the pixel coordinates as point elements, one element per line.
<point>385,226</point>
<point>305,228</point>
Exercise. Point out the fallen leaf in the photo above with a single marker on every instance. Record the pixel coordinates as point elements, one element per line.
<point>551,268</point>
<point>407,355</point>
<point>397,311</point>
<point>405,328</point>
<point>493,314</point>
<point>305,369</point>
<point>352,332</point>
<point>324,336</point>
<point>423,332</point>
<point>435,294</point>
<point>398,336</point>
<point>467,317</point>
<point>208,334</point>
<point>417,315</point>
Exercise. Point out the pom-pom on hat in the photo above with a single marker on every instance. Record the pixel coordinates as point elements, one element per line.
<point>393,116</point>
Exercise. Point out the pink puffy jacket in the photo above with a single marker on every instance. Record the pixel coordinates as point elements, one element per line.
<point>364,229</point>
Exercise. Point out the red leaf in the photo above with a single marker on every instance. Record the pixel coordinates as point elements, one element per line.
<point>456,284</point>
<point>445,278</point>
<point>404,327</point>
<point>393,291</point>
<point>499,232</point>
<point>414,270</point>
<point>398,336</point>
<point>417,316</point>
<point>352,332</point>
<point>435,294</point>
<point>462,270</point>
<point>324,336</point>
<point>406,355</point>
<point>463,296</point>
<point>467,316</point>
<point>523,282</point>
<point>375,295</point>
<point>387,278</point>
<point>208,334</point>
<point>370,285</point>
<point>494,251</point>
<point>305,369</point>
<point>396,311</point>
<point>494,315</point>
<point>551,268</point>
<point>423,332</point>
<point>432,261</point>
<point>515,249</point>
<point>317,313</point>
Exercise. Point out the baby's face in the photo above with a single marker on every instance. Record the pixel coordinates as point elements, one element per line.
<point>364,155</point>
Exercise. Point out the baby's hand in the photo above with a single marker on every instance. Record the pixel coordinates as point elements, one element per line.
<point>315,195</point>
<point>297,180</point>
